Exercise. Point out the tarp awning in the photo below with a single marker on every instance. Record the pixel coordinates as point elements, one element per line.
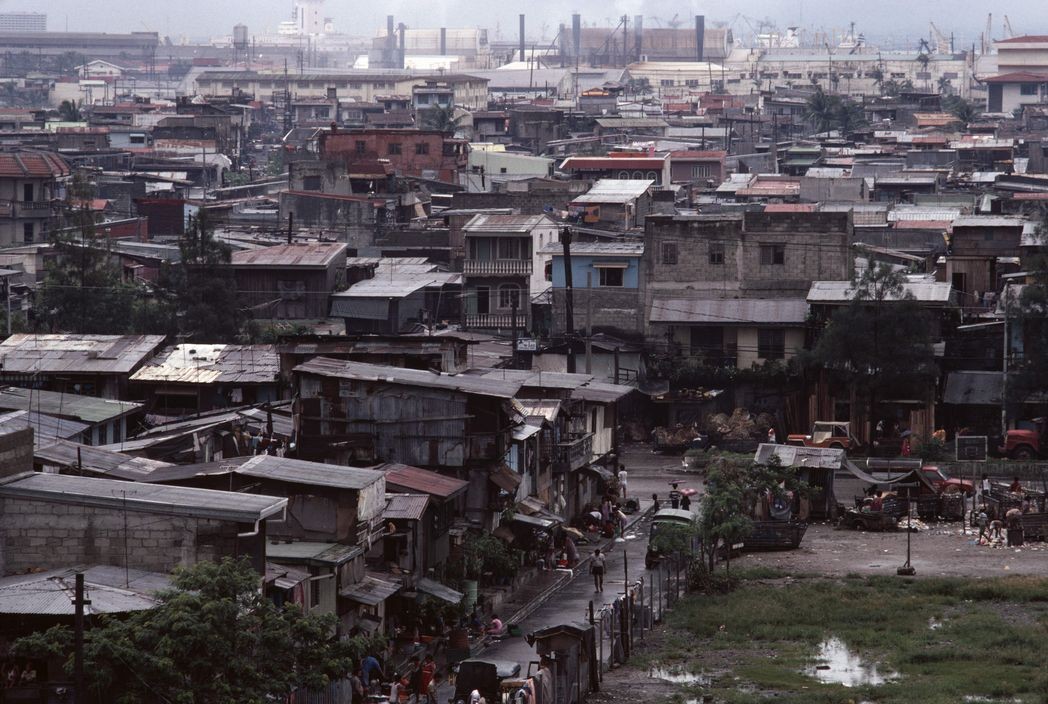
<point>370,591</point>
<point>602,472</point>
<point>434,588</point>
<point>505,479</point>
<point>535,521</point>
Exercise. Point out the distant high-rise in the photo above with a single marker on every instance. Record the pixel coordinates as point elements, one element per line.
<point>23,22</point>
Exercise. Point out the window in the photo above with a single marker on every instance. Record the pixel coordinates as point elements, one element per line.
<point>311,183</point>
<point>27,232</point>
<point>666,82</point>
<point>701,171</point>
<point>549,270</point>
<point>691,83</point>
<point>669,253</point>
<point>773,254</point>
<point>509,296</point>
<point>27,192</point>
<point>421,148</point>
<point>610,277</point>
<point>1027,89</point>
<point>393,148</point>
<point>511,248</point>
<point>771,344</point>
<point>716,251</point>
<point>361,146</point>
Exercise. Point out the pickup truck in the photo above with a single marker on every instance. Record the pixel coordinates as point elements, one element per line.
<point>1024,442</point>
<point>826,434</point>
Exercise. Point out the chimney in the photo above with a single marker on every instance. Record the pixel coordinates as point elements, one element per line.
<point>562,38</point>
<point>576,34</point>
<point>402,29</point>
<point>391,41</point>
<point>700,36</point>
<point>443,41</point>
<point>638,36</point>
<point>522,37</point>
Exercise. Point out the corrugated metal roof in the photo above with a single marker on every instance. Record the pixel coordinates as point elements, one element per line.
<point>630,122</point>
<point>597,249</point>
<point>192,363</point>
<point>311,552</point>
<point>370,591</point>
<point>973,388</point>
<point>523,432</point>
<point>434,588</point>
<point>619,161</point>
<point>601,392</point>
<point>144,498</point>
<point>541,408</point>
<point>46,428</point>
<point>794,456</point>
<point>66,454</point>
<point>397,285</point>
<point>988,221</point>
<point>313,254</point>
<point>52,593</point>
<point>843,292</point>
<point>359,371</point>
<point>285,469</point>
<point>614,190</point>
<point>523,224</point>
<point>88,409</point>
<point>422,481</point>
<point>79,354</point>
<point>729,311</point>
<point>409,507</point>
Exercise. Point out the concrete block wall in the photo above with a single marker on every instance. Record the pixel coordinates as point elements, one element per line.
<point>46,535</point>
<point>16,452</point>
<point>612,309</point>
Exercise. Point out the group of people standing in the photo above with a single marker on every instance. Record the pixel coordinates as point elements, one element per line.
<point>417,684</point>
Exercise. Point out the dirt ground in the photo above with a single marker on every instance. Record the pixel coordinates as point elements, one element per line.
<point>940,551</point>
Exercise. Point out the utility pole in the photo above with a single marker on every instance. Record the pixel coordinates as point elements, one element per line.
<point>589,322</point>
<point>513,323</point>
<point>569,299</point>
<point>290,226</point>
<point>79,602</point>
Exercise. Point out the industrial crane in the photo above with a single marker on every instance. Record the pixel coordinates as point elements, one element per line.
<point>943,44</point>
<point>1008,31</point>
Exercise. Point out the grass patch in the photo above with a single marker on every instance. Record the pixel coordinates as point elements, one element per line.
<point>990,638</point>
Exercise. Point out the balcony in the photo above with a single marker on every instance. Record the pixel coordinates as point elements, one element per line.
<point>573,454</point>
<point>497,267</point>
<point>497,320</point>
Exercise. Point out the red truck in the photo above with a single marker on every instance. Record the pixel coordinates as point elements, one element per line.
<point>1024,442</point>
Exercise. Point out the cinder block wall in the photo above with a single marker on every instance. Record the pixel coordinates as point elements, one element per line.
<point>44,535</point>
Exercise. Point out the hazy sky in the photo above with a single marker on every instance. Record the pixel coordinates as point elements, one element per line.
<point>197,18</point>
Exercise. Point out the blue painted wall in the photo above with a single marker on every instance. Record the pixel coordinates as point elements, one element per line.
<point>581,264</point>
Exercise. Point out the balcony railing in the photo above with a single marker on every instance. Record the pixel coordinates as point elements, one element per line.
<point>572,454</point>
<point>497,320</point>
<point>497,267</point>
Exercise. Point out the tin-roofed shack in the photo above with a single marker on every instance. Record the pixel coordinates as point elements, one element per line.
<point>369,412</point>
<point>105,420</point>
<point>49,521</point>
<point>447,502</point>
<point>93,365</point>
<point>191,378</point>
<point>447,353</point>
<point>290,281</point>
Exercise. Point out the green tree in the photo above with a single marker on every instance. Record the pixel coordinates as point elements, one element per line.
<point>725,510</point>
<point>69,111</point>
<point>83,290</point>
<point>849,117</point>
<point>212,639</point>
<point>203,286</point>
<point>945,86</point>
<point>878,343</point>
<point>960,108</point>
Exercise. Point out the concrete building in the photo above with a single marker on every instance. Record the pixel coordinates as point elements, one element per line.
<point>499,272</point>
<point>30,185</point>
<point>621,166</point>
<point>423,153</point>
<point>606,282</point>
<point>617,204</point>
<point>23,22</point>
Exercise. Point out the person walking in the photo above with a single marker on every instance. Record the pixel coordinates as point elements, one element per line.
<point>623,476</point>
<point>597,566</point>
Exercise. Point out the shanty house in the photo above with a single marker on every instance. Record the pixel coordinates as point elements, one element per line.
<point>620,204</point>
<point>291,281</point>
<point>92,365</point>
<point>104,420</point>
<point>446,503</point>
<point>190,378</point>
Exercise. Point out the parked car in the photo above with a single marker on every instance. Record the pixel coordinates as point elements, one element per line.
<point>827,434</point>
<point>946,484</point>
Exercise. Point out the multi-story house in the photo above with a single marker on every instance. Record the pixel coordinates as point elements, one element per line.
<point>29,185</point>
<point>423,153</point>
<point>730,289</point>
<point>499,270</point>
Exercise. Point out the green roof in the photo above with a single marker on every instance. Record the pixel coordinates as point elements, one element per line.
<point>86,409</point>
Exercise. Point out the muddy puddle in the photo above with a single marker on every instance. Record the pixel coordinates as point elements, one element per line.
<point>679,676</point>
<point>836,664</point>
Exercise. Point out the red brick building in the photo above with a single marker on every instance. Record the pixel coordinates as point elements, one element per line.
<point>424,153</point>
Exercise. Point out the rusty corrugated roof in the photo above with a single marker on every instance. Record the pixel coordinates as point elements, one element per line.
<point>313,254</point>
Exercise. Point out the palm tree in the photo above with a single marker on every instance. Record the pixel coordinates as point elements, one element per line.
<point>821,109</point>
<point>849,116</point>
<point>440,118</point>
<point>69,111</point>
<point>945,86</point>
<point>962,109</point>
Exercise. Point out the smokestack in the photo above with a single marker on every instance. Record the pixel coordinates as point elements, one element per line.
<point>522,37</point>
<point>700,36</point>
<point>391,42</point>
<point>576,34</point>
<point>638,36</point>
<point>563,37</point>
<point>443,41</point>
<point>402,28</point>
